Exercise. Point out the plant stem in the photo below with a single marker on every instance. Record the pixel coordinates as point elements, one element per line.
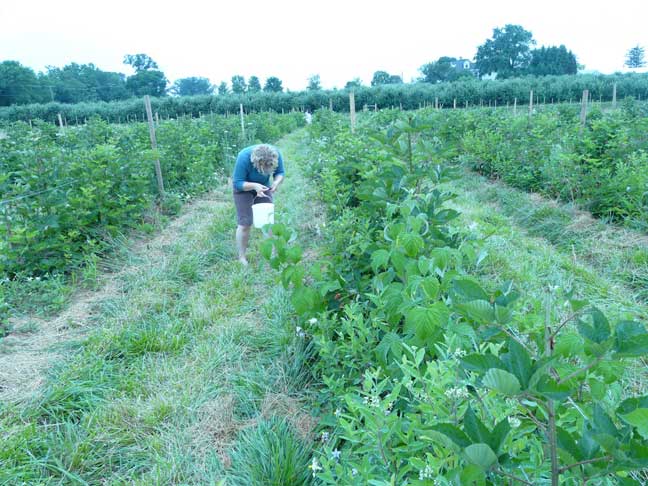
<point>514,478</point>
<point>581,370</point>
<point>582,463</point>
<point>551,411</point>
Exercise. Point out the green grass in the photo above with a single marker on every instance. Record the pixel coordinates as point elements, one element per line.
<point>190,355</point>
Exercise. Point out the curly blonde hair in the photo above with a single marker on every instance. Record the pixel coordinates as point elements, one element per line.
<point>265,158</point>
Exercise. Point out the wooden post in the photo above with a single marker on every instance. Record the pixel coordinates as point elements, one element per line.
<point>614,103</point>
<point>530,102</point>
<point>352,112</point>
<point>30,124</point>
<point>466,103</point>
<point>375,107</point>
<point>514,106</point>
<point>583,114</point>
<point>400,105</point>
<point>157,119</point>
<point>158,169</point>
<point>454,104</point>
<point>330,104</point>
<point>436,102</point>
<point>60,120</point>
<point>242,120</point>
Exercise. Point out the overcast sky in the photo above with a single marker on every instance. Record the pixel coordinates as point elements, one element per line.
<point>339,40</point>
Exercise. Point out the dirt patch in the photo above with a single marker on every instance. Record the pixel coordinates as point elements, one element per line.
<point>26,356</point>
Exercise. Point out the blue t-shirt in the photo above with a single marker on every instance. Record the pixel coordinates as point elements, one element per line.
<point>244,171</point>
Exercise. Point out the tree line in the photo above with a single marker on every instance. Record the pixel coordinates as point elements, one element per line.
<point>509,53</point>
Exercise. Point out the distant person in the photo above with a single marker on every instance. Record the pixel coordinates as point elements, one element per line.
<point>251,180</point>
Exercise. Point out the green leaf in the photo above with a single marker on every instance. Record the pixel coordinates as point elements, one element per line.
<point>379,259</point>
<point>477,310</point>
<point>498,436</point>
<point>480,455</point>
<point>601,421</point>
<point>518,362</point>
<point>567,443</point>
<point>390,345</point>
<point>639,419</point>
<point>474,427</point>
<point>468,290</point>
<point>482,362</point>
<point>266,249</point>
<point>502,381</point>
<point>631,339</point>
<point>305,300</point>
<point>455,434</point>
<point>549,388</point>
<point>430,286</point>
<point>294,254</point>
<point>472,475</point>
<point>411,243</point>
<point>425,322</point>
<point>598,331</point>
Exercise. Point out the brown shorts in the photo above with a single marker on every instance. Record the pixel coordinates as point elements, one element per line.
<point>243,202</point>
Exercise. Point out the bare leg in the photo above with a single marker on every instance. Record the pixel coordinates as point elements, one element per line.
<point>242,238</point>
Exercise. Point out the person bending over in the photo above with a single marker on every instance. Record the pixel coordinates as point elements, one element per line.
<point>251,180</point>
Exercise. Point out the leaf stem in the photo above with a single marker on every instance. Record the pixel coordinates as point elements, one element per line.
<point>582,463</point>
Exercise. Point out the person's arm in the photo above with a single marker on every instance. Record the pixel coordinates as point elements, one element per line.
<point>279,174</point>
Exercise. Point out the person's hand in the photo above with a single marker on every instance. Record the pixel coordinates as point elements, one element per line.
<point>273,189</point>
<point>261,190</point>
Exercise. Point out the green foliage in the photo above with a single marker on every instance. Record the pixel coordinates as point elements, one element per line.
<point>192,87</point>
<point>508,53</point>
<point>238,84</point>
<point>67,194</point>
<point>18,84</point>
<point>150,82</point>
<point>273,85</point>
<point>314,83</point>
<point>254,86</point>
<point>382,77</point>
<point>140,62</point>
<point>442,70</point>
<point>552,61</point>
<point>429,374</point>
<point>635,57</point>
<point>467,91</point>
<point>270,454</point>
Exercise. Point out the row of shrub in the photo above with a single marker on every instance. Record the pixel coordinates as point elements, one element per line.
<point>66,192</point>
<point>468,92</point>
<point>429,374</point>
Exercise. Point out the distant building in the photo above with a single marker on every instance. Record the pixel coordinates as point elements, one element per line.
<point>465,66</point>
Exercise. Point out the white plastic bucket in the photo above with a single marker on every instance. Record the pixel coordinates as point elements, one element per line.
<point>262,214</point>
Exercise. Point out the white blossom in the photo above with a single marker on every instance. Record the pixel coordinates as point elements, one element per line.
<point>514,422</point>
<point>336,454</point>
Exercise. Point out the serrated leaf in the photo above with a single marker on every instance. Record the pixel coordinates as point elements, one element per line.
<point>631,339</point>
<point>598,331</point>
<point>502,381</point>
<point>468,290</point>
<point>567,443</point>
<point>379,259</point>
<point>477,310</point>
<point>498,435</point>
<point>480,455</point>
<point>425,322</point>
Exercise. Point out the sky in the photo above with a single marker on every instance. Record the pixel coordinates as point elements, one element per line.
<point>293,40</point>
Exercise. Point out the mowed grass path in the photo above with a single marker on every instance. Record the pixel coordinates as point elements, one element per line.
<point>186,365</point>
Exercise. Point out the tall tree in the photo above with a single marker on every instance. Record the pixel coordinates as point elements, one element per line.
<point>507,54</point>
<point>314,83</point>
<point>140,62</point>
<point>192,86</point>
<point>383,77</point>
<point>18,84</point>
<point>443,69</point>
<point>635,57</point>
<point>222,88</point>
<point>152,83</point>
<point>354,83</point>
<point>238,84</point>
<point>552,60</point>
<point>273,85</point>
<point>254,86</point>
<point>75,83</point>
<point>147,80</point>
